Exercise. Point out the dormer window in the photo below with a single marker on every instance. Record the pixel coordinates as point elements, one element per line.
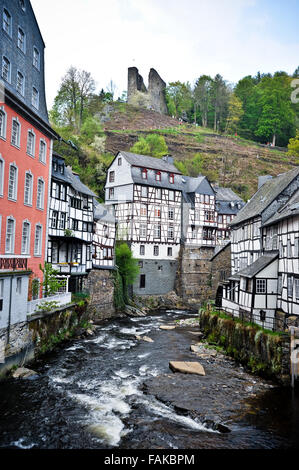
<point>158,175</point>
<point>144,173</point>
<point>171,178</point>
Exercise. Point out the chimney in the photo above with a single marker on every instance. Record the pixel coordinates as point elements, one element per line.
<point>168,159</point>
<point>262,180</point>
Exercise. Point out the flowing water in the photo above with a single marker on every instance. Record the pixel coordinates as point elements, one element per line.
<point>89,394</point>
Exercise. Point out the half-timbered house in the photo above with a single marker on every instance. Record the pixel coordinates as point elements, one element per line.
<point>71,225</point>
<point>228,204</point>
<point>103,244</point>
<point>147,195</point>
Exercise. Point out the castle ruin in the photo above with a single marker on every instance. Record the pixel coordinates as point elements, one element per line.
<point>151,98</point>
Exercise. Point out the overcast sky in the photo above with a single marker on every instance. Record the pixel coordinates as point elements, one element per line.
<point>180,39</point>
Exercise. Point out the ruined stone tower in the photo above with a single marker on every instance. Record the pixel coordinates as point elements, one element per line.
<point>154,97</point>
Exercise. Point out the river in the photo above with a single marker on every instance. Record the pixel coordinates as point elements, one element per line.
<point>90,394</point>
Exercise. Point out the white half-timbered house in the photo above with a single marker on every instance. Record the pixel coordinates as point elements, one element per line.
<point>228,204</point>
<point>147,195</point>
<point>103,244</point>
<point>263,259</point>
<point>70,225</point>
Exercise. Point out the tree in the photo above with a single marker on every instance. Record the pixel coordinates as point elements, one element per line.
<point>294,145</point>
<point>179,98</point>
<point>127,267</point>
<point>153,145</point>
<point>235,112</point>
<point>50,283</point>
<point>202,97</point>
<point>220,97</point>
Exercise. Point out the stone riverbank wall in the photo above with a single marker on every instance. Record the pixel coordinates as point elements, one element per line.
<point>263,352</point>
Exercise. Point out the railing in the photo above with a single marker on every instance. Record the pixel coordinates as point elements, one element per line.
<point>270,323</point>
<point>61,299</point>
<point>13,263</point>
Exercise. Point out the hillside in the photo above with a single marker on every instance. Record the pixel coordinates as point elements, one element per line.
<point>230,161</point>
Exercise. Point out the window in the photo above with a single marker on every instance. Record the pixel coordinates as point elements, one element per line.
<point>12,182</point>
<point>143,230</point>
<point>38,241</point>
<point>1,175</point>
<point>2,123</point>
<point>40,194</point>
<point>31,143</point>
<point>42,151</point>
<point>20,83</point>
<point>171,178</point>
<point>54,219</point>
<point>111,177</point>
<point>157,231</point>
<point>296,283</point>
<point>290,286</point>
<point>171,195</point>
<point>170,231</point>
<point>158,193</point>
<point>7,22</point>
<point>142,250</point>
<point>140,264</point>
<point>62,220</point>
<point>142,281</point>
<point>261,286</point>
<point>35,98</point>
<point>209,216</point>
<point>156,250</point>
<point>26,238</point>
<point>36,58</point>
<point>10,236</point>
<point>19,285</point>
<point>75,202</point>
<point>75,224</point>
<point>15,133</point>
<point>111,193</point>
<point>6,69</point>
<point>169,251</point>
<point>144,173</point>
<point>21,40</point>
<point>143,191</point>
<point>206,199</point>
<point>208,234</point>
<point>158,175</point>
<point>119,162</point>
<point>22,4</point>
<point>193,232</point>
<point>28,189</point>
<point>157,211</point>
<point>171,213</point>
<point>220,219</point>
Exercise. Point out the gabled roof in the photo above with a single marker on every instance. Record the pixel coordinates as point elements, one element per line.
<point>101,213</point>
<point>265,195</point>
<point>257,266</point>
<point>226,194</point>
<point>77,184</point>
<point>151,180</point>
<point>149,162</point>
<point>289,210</point>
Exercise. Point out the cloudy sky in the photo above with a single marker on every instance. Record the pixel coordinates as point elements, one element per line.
<point>180,39</point>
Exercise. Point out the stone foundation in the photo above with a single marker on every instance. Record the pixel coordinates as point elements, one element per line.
<point>100,285</point>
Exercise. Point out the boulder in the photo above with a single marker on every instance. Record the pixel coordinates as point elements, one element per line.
<point>23,373</point>
<point>144,338</point>
<point>187,367</point>
<point>167,327</point>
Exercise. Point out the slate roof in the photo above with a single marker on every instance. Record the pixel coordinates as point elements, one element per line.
<point>101,213</point>
<point>151,180</point>
<point>257,266</point>
<point>77,184</point>
<point>144,161</point>
<point>226,194</point>
<point>289,210</point>
<point>65,176</point>
<point>265,195</point>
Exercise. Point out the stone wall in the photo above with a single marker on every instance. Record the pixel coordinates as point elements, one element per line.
<point>100,285</point>
<point>193,280</point>
<point>160,277</point>
<point>265,353</point>
<point>220,268</point>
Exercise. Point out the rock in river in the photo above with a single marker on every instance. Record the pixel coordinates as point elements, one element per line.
<point>167,327</point>
<point>23,373</point>
<point>187,367</point>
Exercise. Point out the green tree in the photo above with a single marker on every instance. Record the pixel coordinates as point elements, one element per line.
<point>294,145</point>
<point>127,267</point>
<point>153,145</point>
<point>235,112</point>
<point>50,282</point>
<point>220,95</point>
<point>179,98</point>
<point>202,97</point>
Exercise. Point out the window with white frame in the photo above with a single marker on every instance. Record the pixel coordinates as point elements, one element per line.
<point>38,240</point>
<point>111,176</point>
<point>28,189</point>
<point>26,238</point>
<point>171,213</point>
<point>10,235</point>
<point>170,231</point>
<point>20,83</point>
<point>290,286</point>
<point>1,175</point>
<point>144,191</point>
<point>40,194</point>
<point>261,286</point>
<point>54,219</point>
<point>158,193</point>
<point>13,182</point>
<point>296,284</point>
<point>42,151</point>
<point>15,132</point>
<point>143,230</point>
<point>171,195</point>
<point>35,98</point>
<point>62,220</point>
<point>157,231</point>
<point>156,250</point>
<point>19,285</point>
<point>143,210</point>
<point>6,69</point>
<point>36,58</point>
<point>31,143</point>
<point>142,250</point>
<point>2,123</point>
<point>111,193</point>
<point>157,211</point>
<point>21,40</point>
<point>7,22</point>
